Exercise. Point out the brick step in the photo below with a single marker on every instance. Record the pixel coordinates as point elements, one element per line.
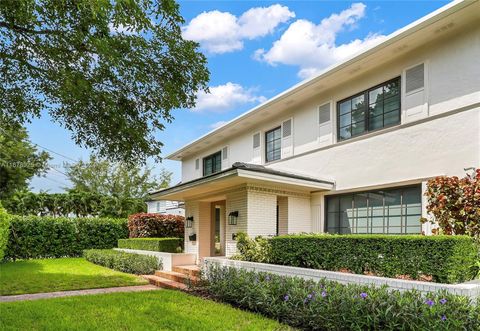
<point>164,283</point>
<point>188,270</point>
<point>176,276</point>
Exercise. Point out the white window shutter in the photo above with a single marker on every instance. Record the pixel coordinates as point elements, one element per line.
<point>415,87</point>
<point>225,152</point>
<point>415,78</point>
<point>324,124</point>
<point>287,138</point>
<point>257,156</point>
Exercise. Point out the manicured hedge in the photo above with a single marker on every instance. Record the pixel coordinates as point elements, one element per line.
<point>447,259</point>
<point>121,261</point>
<point>169,245</point>
<point>329,305</point>
<point>145,225</point>
<point>33,237</point>
<point>5,220</point>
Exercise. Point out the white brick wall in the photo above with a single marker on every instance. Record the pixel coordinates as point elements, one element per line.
<point>262,214</point>
<point>236,201</point>
<point>299,215</point>
<point>191,209</point>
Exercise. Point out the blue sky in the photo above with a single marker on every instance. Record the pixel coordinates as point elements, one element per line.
<point>255,50</point>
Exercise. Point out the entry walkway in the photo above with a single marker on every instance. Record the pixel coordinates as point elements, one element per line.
<point>61,294</point>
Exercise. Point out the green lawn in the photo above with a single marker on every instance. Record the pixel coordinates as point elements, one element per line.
<point>153,310</point>
<point>49,275</point>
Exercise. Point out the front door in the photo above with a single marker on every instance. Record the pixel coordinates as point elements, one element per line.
<point>218,228</point>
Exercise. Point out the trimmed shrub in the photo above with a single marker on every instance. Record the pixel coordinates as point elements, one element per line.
<point>329,305</point>
<point>5,220</point>
<point>444,259</point>
<point>34,237</point>
<point>145,225</point>
<point>169,245</point>
<point>253,250</point>
<point>122,261</point>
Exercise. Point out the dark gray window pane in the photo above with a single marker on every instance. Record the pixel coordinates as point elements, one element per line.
<point>376,109</point>
<point>391,88</point>
<point>391,104</point>
<point>345,107</point>
<point>414,229</point>
<point>358,102</point>
<point>358,128</point>
<point>345,120</point>
<point>345,133</point>
<point>333,204</point>
<point>392,117</point>
<point>376,95</point>
<point>376,122</point>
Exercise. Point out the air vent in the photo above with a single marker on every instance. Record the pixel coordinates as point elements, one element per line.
<point>225,153</point>
<point>415,78</point>
<point>287,128</point>
<point>256,140</point>
<point>197,164</point>
<point>324,113</point>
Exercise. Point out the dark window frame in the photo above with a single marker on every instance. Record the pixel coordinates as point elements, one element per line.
<point>366,96</point>
<point>266,144</point>
<point>403,217</point>
<point>214,163</point>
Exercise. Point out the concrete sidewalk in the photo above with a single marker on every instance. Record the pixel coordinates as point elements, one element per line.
<point>61,294</point>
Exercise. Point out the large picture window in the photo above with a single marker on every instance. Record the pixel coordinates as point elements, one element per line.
<point>393,211</point>
<point>212,164</point>
<point>370,110</point>
<point>273,144</point>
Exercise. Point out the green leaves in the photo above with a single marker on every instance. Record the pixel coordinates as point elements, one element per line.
<point>34,237</point>
<point>109,71</point>
<point>122,261</point>
<point>328,305</point>
<point>444,259</point>
<point>169,245</point>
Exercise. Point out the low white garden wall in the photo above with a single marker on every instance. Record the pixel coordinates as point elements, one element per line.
<point>470,289</point>
<point>168,260</point>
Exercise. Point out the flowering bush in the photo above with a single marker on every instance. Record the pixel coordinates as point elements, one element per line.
<point>455,203</point>
<point>145,225</point>
<point>328,305</point>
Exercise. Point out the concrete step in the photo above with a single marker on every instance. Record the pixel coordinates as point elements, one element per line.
<point>176,276</point>
<point>188,270</point>
<point>165,283</point>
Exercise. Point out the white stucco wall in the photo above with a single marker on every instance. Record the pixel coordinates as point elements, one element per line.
<point>452,82</point>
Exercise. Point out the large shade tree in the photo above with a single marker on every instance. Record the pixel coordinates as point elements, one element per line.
<point>19,160</point>
<point>109,71</point>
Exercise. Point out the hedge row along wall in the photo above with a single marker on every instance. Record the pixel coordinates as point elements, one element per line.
<point>146,225</point>
<point>122,261</point>
<point>33,237</point>
<point>168,245</point>
<point>446,259</point>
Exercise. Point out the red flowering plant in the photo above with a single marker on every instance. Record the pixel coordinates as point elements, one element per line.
<point>148,225</point>
<point>455,204</point>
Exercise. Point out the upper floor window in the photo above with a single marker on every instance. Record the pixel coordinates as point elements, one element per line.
<point>212,164</point>
<point>273,144</point>
<point>370,110</point>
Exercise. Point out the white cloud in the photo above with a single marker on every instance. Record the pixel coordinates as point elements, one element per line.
<point>222,32</point>
<point>313,47</point>
<point>218,124</point>
<point>225,97</point>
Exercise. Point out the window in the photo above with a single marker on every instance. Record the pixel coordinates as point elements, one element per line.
<point>212,164</point>
<point>370,110</point>
<point>273,144</point>
<point>393,211</point>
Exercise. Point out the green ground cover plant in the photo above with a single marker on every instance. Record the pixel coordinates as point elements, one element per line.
<point>153,310</point>
<point>122,261</point>
<point>328,305</point>
<point>169,245</point>
<point>64,274</point>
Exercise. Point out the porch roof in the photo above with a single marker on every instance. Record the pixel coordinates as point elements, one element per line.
<point>241,173</point>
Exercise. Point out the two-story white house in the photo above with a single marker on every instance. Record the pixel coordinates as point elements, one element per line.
<point>347,151</point>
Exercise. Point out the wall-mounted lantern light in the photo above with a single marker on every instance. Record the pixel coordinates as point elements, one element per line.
<point>192,237</point>
<point>189,222</point>
<point>232,218</point>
